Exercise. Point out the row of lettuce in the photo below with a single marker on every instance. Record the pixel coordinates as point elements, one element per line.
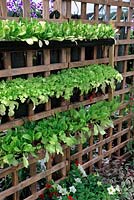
<point>38,90</point>
<point>71,128</point>
<point>32,30</point>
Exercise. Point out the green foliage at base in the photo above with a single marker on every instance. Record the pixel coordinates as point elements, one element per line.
<point>79,186</point>
<point>70,128</point>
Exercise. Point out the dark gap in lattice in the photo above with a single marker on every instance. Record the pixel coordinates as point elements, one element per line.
<point>23,174</point>
<point>1,61</point>
<point>18,59</point>
<point>130,65</point>
<point>41,167</point>
<point>95,153</point>
<point>114,143</point>
<point>99,52</point>
<point>129,80</point>
<point>131,46</point>
<point>23,76</point>
<point>22,110</point>
<point>107,133</point>
<point>38,58</point>
<point>3,79</point>
<point>88,96</point>
<point>41,183</point>
<point>73,150</point>
<point>105,147</point>
<point>115,130</point>
<point>125,125</point>
<point>86,144</point>
<point>9,198</point>
<point>121,50</point>
<point>56,102</point>
<point>39,108</point>
<point>57,175</point>
<point>55,56</point>
<point>120,66</point>
<point>85,158</point>
<point>55,71</point>
<point>119,86</point>
<point>124,138</point>
<point>89,53</point>
<point>6,182</point>
<point>122,32</point>
<point>76,95</point>
<point>26,192</point>
<point>75,54</point>
<point>93,94</point>
<point>95,140</point>
<point>122,151</point>
<point>127,96</point>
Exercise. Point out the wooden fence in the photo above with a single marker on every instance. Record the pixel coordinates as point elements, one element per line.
<point>18,61</point>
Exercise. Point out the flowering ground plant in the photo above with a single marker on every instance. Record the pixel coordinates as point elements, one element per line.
<point>78,186</point>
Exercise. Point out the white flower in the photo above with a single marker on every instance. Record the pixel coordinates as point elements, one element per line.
<point>118,188</point>
<point>61,190</point>
<point>111,190</point>
<point>82,171</point>
<point>59,187</point>
<point>60,198</point>
<point>78,180</point>
<point>72,189</point>
<point>99,183</point>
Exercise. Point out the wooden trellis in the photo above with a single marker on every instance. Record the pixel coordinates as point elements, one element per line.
<point>45,61</point>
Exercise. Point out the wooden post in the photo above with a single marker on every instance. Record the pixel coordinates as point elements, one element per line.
<point>26,8</point>
<point>45,9</point>
<point>32,173</point>
<point>3,8</point>
<point>15,182</point>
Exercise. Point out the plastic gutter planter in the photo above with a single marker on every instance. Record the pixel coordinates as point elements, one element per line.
<point>20,46</point>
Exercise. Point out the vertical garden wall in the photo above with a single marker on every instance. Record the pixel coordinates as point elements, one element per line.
<point>59,90</point>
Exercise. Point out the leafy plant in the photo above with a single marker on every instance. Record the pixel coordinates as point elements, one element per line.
<point>36,31</point>
<point>71,127</point>
<point>40,89</point>
<point>78,185</point>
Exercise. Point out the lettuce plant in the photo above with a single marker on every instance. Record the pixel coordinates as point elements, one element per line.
<point>71,127</point>
<point>33,30</point>
<point>40,89</point>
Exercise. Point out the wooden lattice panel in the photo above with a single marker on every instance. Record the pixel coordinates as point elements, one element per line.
<point>33,62</point>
